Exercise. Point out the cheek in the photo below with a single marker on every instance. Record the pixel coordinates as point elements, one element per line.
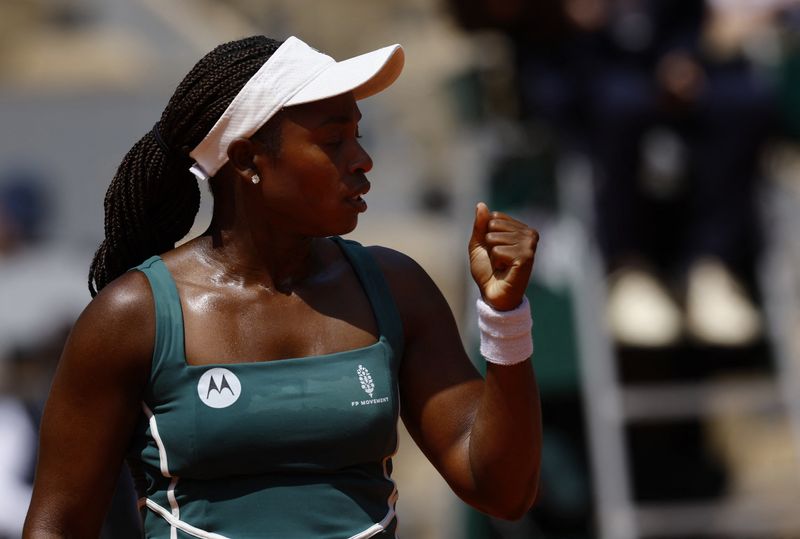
<point>316,176</point>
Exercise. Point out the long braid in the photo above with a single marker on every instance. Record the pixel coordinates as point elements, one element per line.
<point>153,199</point>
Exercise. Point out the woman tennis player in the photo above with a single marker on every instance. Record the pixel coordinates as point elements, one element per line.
<point>253,377</point>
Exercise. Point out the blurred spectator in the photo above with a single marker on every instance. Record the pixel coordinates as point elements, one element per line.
<point>668,106</point>
<point>662,97</point>
<point>27,374</point>
<point>24,375</point>
<point>43,289</point>
<point>42,284</point>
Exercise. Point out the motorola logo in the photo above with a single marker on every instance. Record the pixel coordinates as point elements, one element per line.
<point>218,388</point>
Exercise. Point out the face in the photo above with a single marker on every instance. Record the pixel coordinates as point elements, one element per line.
<point>316,182</point>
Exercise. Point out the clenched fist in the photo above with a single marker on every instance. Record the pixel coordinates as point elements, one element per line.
<point>501,253</point>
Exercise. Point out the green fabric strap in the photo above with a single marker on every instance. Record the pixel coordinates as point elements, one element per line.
<point>380,296</point>
<point>169,317</point>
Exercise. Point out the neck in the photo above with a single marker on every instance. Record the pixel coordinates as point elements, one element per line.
<point>249,247</point>
<point>264,258</point>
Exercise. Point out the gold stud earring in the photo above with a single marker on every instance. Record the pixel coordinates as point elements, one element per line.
<point>255,178</point>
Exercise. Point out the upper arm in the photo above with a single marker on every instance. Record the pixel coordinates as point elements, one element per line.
<point>439,386</point>
<point>92,409</point>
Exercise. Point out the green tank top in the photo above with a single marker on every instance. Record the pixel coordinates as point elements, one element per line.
<point>291,448</point>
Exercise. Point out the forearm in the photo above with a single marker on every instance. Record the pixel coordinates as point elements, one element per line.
<point>505,441</point>
<point>33,532</point>
<point>483,434</point>
<point>505,436</point>
<point>51,517</point>
<point>43,524</point>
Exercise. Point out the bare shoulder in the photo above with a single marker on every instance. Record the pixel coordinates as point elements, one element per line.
<point>418,298</point>
<point>402,272</point>
<point>117,328</point>
<point>125,303</point>
<point>396,265</point>
<point>127,295</point>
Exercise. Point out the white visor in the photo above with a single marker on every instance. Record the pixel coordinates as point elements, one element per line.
<point>294,74</point>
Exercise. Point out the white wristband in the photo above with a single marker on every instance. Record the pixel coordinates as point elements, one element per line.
<point>505,335</point>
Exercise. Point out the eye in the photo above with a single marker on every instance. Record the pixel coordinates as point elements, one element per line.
<point>335,137</point>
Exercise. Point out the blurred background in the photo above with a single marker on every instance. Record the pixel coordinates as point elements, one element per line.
<point>655,144</point>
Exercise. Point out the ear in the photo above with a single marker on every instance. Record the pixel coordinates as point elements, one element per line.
<point>241,155</point>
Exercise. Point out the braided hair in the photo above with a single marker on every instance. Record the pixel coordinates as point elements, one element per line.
<point>153,199</point>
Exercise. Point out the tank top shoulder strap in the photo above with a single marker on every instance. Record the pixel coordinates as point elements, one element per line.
<point>168,349</point>
<point>380,296</point>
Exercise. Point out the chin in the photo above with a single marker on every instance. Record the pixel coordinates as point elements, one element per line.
<point>338,229</point>
<point>348,229</point>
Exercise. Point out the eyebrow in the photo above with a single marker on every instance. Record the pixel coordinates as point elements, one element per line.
<point>334,120</point>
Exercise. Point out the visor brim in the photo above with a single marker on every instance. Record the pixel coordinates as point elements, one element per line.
<point>364,75</point>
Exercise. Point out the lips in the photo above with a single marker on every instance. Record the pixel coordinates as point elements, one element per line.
<point>358,203</point>
<point>354,197</point>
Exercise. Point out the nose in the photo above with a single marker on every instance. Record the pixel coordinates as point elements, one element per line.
<point>361,161</point>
